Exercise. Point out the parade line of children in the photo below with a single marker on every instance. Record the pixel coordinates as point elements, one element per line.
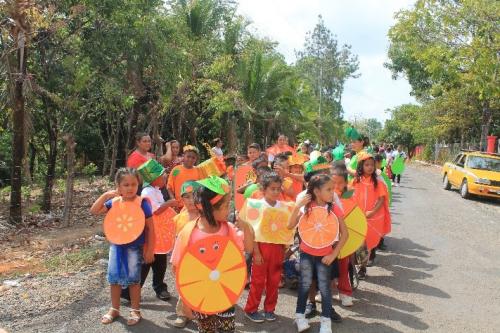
<point>301,188</point>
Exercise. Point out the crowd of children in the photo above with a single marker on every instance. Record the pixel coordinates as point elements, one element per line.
<point>308,188</point>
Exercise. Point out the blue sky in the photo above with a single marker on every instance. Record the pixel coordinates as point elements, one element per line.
<point>360,23</point>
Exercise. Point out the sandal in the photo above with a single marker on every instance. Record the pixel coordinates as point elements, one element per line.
<point>108,318</point>
<point>134,317</point>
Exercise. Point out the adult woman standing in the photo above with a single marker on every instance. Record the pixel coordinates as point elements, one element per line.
<point>281,146</point>
<point>141,153</point>
<point>172,157</point>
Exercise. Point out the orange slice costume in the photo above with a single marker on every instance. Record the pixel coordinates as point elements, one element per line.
<point>125,221</point>
<point>269,223</point>
<point>318,229</point>
<point>164,227</point>
<point>366,196</point>
<point>202,289</point>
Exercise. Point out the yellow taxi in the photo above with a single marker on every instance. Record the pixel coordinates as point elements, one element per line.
<point>475,173</point>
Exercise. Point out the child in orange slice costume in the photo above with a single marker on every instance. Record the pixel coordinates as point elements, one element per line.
<point>154,179</point>
<point>183,173</point>
<point>188,213</point>
<point>339,177</point>
<point>124,264</point>
<point>372,197</point>
<point>212,200</point>
<point>268,251</point>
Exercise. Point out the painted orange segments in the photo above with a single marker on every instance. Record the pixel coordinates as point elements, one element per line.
<point>124,222</point>
<point>211,275</point>
<point>356,225</point>
<point>273,226</point>
<point>318,229</point>
<point>164,231</point>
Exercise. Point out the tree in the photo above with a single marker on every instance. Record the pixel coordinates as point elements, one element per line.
<point>327,66</point>
<point>447,49</point>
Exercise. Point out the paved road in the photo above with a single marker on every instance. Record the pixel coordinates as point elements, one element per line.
<point>441,273</point>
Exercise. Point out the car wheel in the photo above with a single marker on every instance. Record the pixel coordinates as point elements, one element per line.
<point>446,183</point>
<point>464,190</point>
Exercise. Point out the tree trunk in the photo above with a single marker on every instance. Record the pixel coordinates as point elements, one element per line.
<point>68,195</point>
<point>51,158</point>
<point>232,136</point>
<point>485,125</point>
<point>114,153</point>
<point>32,160</point>
<point>15,211</point>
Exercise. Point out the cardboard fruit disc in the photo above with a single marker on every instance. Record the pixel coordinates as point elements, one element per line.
<point>318,229</point>
<point>164,231</point>
<point>211,275</point>
<point>124,222</point>
<point>356,225</point>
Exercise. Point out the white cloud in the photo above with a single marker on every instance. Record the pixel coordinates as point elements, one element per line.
<point>360,23</point>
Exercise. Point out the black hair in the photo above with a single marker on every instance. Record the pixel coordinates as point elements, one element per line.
<point>366,141</point>
<point>309,175</point>
<point>317,181</point>
<point>258,160</point>
<point>254,146</point>
<point>202,197</point>
<point>122,172</point>
<point>263,170</point>
<point>268,178</point>
<point>140,135</point>
<point>378,158</point>
<point>281,157</point>
<point>359,172</point>
<point>216,141</point>
<point>340,170</point>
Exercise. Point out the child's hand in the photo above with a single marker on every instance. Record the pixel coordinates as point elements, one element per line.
<point>149,255</point>
<point>304,201</point>
<point>327,260</point>
<point>369,213</point>
<point>257,258</point>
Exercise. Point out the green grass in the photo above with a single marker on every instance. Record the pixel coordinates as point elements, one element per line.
<point>75,260</point>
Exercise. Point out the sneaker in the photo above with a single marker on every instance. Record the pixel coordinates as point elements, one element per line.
<point>181,322</point>
<point>335,317</point>
<point>164,295</point>
<point>310,310</point>
<point>317,298</point>
<point>381,246</point>
<point>346,300</point>
<point>301,322</point>
<point>269,316</point>
<point>255,317</point>
<point>326,325</point>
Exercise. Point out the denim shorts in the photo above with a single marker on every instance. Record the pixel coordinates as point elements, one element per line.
<point>124,266</point>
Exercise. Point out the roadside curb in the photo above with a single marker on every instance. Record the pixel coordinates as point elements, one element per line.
<point>428,164</point>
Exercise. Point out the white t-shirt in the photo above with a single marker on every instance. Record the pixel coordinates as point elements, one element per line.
<point>154,195</point>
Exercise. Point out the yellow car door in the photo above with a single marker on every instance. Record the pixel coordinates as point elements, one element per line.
<point>459,172</point>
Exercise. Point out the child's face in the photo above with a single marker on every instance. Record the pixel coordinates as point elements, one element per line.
<point>222,212</point>
<point>175,146</point>
<point>339,183</point>
<point>253,154</point>
<point>272,192</point>
<point>188,200</point>
<point>297,169</point>
<point>189,159</point>
<point>325,192</point>
<point>160,181</point>
<point>128,187</point>
<point>282,140</point>
<point>369,167</point>
<point>357,145</point>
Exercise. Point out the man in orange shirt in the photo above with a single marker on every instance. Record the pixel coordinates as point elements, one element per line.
<point>184,172</point>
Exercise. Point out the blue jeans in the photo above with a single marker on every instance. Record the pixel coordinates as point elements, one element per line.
<point>309,263</point>
<point>124,265</point>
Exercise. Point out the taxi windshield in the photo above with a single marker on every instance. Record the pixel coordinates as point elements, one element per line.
<point>484,163</point>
